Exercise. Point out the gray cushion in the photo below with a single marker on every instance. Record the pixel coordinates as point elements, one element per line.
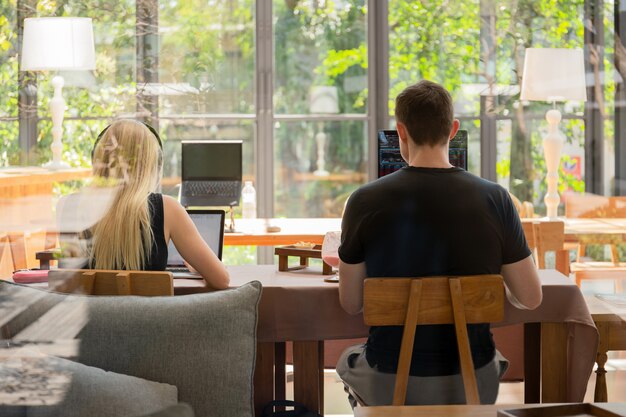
<point>66,385</point>
<point>204,344</point>
<point>178,410</point>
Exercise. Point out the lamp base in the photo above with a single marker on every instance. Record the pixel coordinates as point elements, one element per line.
<point>56,166</point>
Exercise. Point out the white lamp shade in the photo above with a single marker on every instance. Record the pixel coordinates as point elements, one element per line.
<point>324,99</point>
<point>58,43</point>
<point>554,74</point>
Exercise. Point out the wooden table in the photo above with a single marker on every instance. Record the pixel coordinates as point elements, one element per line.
<point>459,410</point>
<point>560,348</point>
<point>610,319</point>
<point>291,231</point>
<point>579,230</point>
<point>313,230</point>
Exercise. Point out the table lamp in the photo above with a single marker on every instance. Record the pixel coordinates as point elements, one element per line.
<point>553,74</point>
<point>322,100</point>
<point>58,44</point>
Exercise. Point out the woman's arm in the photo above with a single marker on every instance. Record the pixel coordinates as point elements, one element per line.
<point>179,227</point>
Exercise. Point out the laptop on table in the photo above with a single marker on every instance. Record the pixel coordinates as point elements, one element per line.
<point>210,224</point>
<point>211,173</point>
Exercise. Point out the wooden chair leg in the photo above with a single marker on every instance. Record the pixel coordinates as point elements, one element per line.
<point>578,279</point>
<point>581,252</point>
<point>614,255</point>
<point>600,393</point>
<point>562,262</point>
<point>279,372</point>
<point>532,363</point>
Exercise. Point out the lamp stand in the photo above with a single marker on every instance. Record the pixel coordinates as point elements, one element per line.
<point>320,140</point>
<point>57,109</point>
<point>552,146</point>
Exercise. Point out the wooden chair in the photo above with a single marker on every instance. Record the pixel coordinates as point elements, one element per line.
<point>595,206</point>
<point>104,282</point>
<point>434,300</point>
<point>525,209</point>
<point>547,236</point>
<point>17,245</point>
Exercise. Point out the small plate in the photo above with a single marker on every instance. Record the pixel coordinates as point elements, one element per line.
<point>334,278</point>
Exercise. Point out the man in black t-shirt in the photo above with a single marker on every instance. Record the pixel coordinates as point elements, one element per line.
<point>428,219</point>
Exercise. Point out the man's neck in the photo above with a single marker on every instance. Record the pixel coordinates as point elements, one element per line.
<point>429,157</point>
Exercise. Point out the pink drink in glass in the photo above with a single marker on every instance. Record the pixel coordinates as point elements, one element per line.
<point>330,248</point>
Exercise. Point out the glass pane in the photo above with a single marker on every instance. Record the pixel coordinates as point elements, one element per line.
<point>430,40</point>
<point>317,166</point>
<point>105,93</point>
<point>520,133</point>
<point>206,57</point>
<point>609,78</point>
<point>9,145</point>
<point>320,44</point>
<point>533,188</point>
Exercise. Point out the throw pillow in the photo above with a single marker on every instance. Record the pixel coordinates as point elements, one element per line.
<point>72,389</point>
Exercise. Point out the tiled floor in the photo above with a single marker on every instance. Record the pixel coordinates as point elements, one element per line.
<point>336,403</point>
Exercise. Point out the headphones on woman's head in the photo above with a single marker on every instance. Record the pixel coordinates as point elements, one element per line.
<point>150,128</point>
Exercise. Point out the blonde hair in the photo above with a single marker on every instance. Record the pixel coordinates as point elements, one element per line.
<point>127,156</point>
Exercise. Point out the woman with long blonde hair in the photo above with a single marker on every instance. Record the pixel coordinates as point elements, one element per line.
<point>134,230</point>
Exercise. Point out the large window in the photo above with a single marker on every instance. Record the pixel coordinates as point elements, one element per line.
<point>303,82</point>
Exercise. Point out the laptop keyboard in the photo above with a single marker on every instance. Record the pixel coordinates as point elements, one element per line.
<point>203,188</point>
<point>174,269</point>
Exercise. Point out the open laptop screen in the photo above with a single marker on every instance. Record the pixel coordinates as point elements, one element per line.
<point>211,160</point>
<point>390,160</point>
<point>210,224</point>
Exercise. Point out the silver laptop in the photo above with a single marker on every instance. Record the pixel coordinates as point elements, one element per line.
<point>210,224</point>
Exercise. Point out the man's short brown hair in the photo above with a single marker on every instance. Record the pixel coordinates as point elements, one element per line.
<point>426,110</point>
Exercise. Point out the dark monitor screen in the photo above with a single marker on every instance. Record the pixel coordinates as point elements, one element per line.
<point>390,159</point>
<point>211,160</point>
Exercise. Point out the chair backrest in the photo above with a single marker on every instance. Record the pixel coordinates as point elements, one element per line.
<point>528,209</point>
<point>545,236</point>
<point>434,300</point>
<point>17,244</point>
<point>104,282</point>
<point>591,206</point>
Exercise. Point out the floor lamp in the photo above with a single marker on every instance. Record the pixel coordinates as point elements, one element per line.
<point>553,74</point>
<point>57,44</point>
<point>322,100</point>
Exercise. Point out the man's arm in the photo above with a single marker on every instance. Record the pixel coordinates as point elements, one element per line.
<point>522,283</point>
<point>351,277</point>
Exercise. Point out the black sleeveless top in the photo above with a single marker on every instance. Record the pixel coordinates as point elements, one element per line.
<point>157,258</point>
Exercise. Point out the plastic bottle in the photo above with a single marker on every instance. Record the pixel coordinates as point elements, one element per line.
<point>248,201</point>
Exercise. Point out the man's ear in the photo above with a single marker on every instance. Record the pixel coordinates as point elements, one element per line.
<point>402,131</point>
<point>455,128</point>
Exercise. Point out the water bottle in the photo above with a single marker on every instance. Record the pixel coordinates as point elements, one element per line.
<point>248,201</point>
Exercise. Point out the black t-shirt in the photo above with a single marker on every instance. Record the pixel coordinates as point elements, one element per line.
<point>423,222</point>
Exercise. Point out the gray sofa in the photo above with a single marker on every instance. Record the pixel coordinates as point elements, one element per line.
<point>197,349</point>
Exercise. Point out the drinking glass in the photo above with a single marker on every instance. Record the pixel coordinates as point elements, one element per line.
<point>330,247</point>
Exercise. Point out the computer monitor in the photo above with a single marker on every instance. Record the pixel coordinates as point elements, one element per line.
<point>390,159</point>
<point>211,173</point>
